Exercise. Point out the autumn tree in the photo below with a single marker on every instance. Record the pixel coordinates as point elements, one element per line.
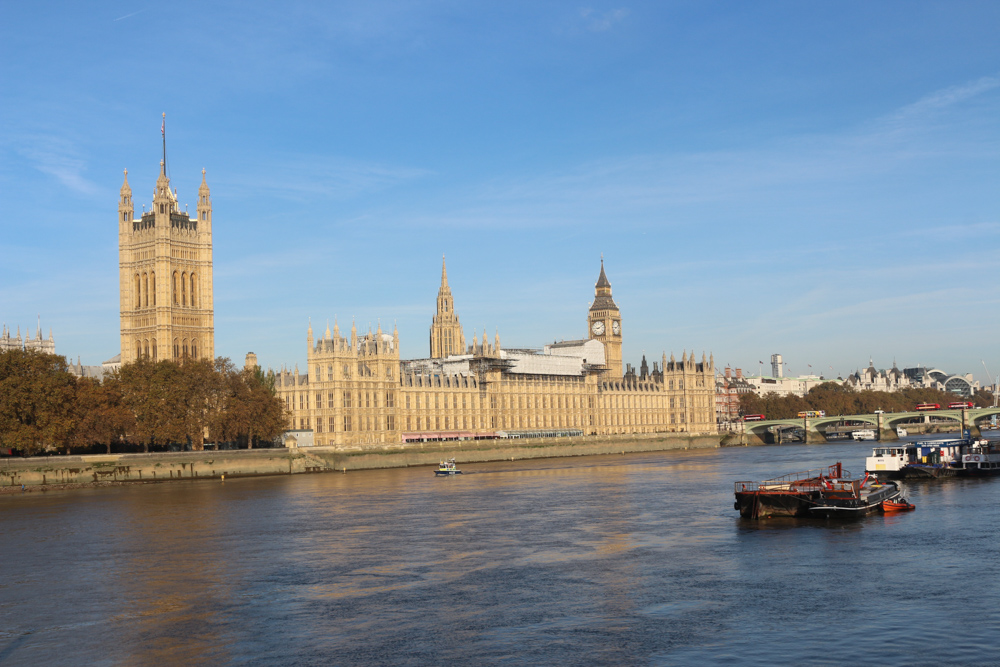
<point>36,399</point>
<point>100,414</point>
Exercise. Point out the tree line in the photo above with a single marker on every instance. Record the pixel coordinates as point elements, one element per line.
<point>142,405</point>
<point>836,399</point>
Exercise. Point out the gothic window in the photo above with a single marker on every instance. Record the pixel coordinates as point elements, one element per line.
<point>319,425</point>
<point>194,348</point>
<point>185,348</point>
<point>145,351</point>
<point>161,208</point>
<point>184,289</point>
<point>176,297</point>
<point>138,293</point>
<point>319,399</point>
<point>333,423</point>
<point>347,371</point>
<point>192,291</point>
<point>390,400</point>
<point>138,349</point>
<point>154,349</point>
<point>177,349</point>
<point>152,286</point>
<point>347,403</point>
<point>329,374</point>
<point>145,290</point>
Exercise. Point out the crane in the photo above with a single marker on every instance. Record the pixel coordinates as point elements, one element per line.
<point>996,390</point>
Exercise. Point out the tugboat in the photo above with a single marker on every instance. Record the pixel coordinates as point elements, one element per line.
<point>830,492</point>
<point>924,459</point>
<point>447,468</point>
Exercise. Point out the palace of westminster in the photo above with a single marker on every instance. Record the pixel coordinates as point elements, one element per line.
<point>360,392</point>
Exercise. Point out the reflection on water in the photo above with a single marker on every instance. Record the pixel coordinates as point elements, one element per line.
<point>603,560</point>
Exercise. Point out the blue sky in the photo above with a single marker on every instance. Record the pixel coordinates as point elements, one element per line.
<point>815,179</point>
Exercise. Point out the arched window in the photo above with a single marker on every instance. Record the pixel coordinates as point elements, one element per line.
<point>145,291</point>
<point>185,350</point>
<point>177,349</point>
<point>138,292</point>
<point>192,290</point>
<point>194,348</point>
<point>152,288</point>
<point>154,349</point>
<point>138,349</point>
<point>184,297</point>
<point>175,293</point>
<point>145,351</point>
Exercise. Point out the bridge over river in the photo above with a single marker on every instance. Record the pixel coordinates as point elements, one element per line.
<point>816,429</point>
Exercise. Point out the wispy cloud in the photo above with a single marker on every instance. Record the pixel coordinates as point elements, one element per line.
<point>305,177</point>
<point>602,21</point>
<point>122,18</point>
<point>60,159</point>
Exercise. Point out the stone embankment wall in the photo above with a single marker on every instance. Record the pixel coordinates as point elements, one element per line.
<point>51,471</point>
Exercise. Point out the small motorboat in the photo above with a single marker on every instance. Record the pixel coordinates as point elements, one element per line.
<point>447,468</point>
<point>897,505</point>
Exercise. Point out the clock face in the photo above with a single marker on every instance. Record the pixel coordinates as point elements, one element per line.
<point>597,328</point>
<point>616,327</point>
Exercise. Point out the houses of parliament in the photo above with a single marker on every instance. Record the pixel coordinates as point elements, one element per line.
<point>357,390</point>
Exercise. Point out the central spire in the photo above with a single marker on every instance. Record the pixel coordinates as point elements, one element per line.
<point>444,276</point>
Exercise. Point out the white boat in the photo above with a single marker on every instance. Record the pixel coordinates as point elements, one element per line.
<point>863,434</point>
<point>448,468</point>
<point>901,432</point>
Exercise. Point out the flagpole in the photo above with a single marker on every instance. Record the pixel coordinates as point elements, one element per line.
<point>163,131</point>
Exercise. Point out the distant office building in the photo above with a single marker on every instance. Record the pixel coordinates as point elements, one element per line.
<point>776,366</point>
<point>729,387</point>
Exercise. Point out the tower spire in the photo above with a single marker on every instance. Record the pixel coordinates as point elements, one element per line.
<point>444,275</point>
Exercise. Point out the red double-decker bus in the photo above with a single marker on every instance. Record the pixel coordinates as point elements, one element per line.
<point>928,406</point>
<point>960,404</point>
<point>753,418</point>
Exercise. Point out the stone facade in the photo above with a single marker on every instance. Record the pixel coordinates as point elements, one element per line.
<point>29,342</point>
<point>165,272</point>
<point>356,390</point>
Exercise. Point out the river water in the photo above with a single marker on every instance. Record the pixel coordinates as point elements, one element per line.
<point>616,560</point>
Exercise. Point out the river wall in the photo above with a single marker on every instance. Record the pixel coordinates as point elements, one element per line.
<point>43,472</point>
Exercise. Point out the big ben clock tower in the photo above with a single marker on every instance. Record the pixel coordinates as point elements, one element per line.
<point>604,323</point>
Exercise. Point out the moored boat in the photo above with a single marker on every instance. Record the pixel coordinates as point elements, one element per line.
<point>980,459</point>
<point>863,434</point>
<point>448,468</point>
<point>820,493</point>
<point>924,459</point>
<point>898,505</point>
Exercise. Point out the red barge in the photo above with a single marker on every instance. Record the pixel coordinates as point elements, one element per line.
<point>829,492</point>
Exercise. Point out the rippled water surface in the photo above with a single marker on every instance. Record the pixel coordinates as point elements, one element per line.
<point>636,559</point>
